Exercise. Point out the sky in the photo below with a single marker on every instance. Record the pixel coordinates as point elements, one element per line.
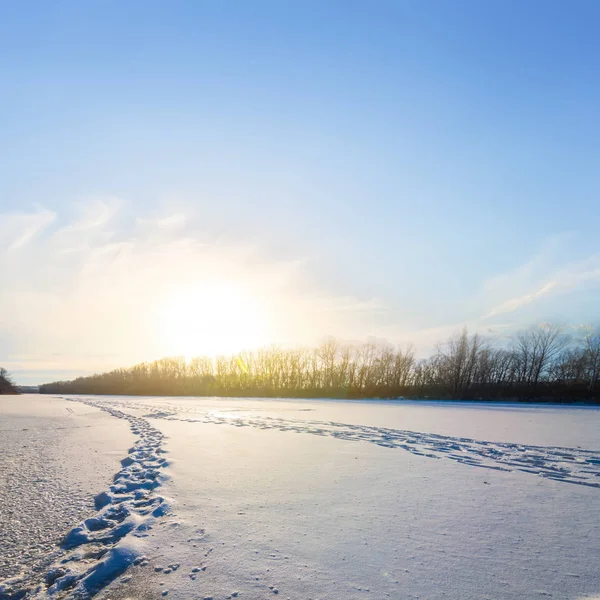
<point>195,177</point>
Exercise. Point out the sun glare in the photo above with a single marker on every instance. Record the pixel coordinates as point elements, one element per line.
<point>212,319</point>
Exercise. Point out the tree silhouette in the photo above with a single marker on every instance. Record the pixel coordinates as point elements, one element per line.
<point>540,363</point>
<point>6,383</point>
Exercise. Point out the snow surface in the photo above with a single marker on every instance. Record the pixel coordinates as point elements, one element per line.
<point>54,457</point>
<point>340,500</point>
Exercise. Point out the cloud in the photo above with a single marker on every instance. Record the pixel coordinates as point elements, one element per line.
<point>516,303</point>
<point>520,279</point>
<point>559,279</point>
<point>174,222</point>
<point>91,295</point>
<point>349,304</point>
<point>18,229</point>
<point>533,292</point>
<point>93,213</point>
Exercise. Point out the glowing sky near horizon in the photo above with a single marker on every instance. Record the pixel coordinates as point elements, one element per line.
<point>200,177</point>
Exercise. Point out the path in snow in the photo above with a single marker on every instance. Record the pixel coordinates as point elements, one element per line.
<point>95,552</point>
<point>316,516</point>
<point>53,460</point>
<point>571,465</point>
<point>269,514</point>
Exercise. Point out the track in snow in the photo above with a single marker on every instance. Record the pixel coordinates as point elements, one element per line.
<point>102,547</point>
<point>569,465</point>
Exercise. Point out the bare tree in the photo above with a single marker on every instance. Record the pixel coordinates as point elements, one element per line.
<point>464,366</point>
<point>592,350</point>
<point>7,385</point>
<point>457,361</point>
<point>535,350</point>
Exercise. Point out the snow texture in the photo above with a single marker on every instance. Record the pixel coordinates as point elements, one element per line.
<point>128,508</point>
<point>570,465</point>
<point>54,457</point>
<point>339,500</point>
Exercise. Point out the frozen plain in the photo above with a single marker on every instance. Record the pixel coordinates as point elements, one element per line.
<point>338,500</point>
<point>54,457</point>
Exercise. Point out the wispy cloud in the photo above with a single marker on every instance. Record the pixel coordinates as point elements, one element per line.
<point>514,304</point>
<point>93,213</point>
<point>90,295</point>
<point>557,279</point>
<point>534,291</point>
<point>18,229</point>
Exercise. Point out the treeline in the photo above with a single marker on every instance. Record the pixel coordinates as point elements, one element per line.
<point>541,363</point>
<point>6,383</point>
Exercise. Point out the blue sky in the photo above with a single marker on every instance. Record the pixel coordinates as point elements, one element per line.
<point>386,169</point>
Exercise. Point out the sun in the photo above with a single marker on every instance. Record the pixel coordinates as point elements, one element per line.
<point>211,319</point>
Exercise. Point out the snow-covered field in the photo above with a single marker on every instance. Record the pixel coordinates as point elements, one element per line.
<point>54,457</point>
<point>235,498</point>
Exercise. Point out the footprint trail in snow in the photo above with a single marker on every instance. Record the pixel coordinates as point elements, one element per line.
<point>103,546</point>
<point>570,465</point>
